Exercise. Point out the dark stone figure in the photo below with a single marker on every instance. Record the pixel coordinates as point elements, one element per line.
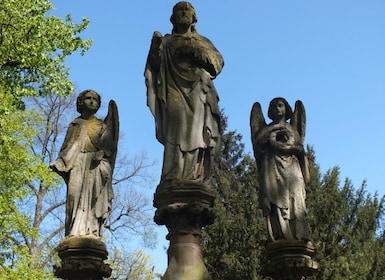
<point>283,169</point>
<point>284,177</point>
<point>181,95</point>
<point>86,162</point>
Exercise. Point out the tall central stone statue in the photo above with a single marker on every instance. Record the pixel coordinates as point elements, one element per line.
<point>181,96</point>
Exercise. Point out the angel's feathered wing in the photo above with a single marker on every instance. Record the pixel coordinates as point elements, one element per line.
<point>112,124</point>
<point>298,122</point>
<point>257,121</point>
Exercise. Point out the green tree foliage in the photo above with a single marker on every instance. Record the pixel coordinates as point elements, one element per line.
<point>232,245</point>
<point>134,265</point>
<point>346,223</point>
<point>346,226</point>
<point>33,48</point>
<point>33,240</point>
<point>18,167</point>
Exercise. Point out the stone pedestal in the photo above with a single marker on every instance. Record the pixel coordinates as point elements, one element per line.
<point>184,207</point>
<point>291,260</point>
<point>82,258</point>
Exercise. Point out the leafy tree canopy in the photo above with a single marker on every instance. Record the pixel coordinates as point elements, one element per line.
<point>33,47</point>
<point>346,223</point>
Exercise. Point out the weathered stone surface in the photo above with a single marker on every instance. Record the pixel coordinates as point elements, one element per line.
<point>86,162</point>
<point>183,197</point>
<point>284,177</point>
<point>184,207</point>
<point>182,97</point>
<point>291,260</point>
<point>82,258</point>
<point>283,168</point>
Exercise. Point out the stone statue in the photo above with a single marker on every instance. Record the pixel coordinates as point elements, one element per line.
<point>283,168</point>
<point>181,96</point>
<point>86,162</point>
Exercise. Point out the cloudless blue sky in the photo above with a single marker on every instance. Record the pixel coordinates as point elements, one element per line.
<point>329,54</point>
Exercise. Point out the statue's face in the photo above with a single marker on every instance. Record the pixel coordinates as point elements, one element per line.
<point>278,109</point>
<point>184,14</point>
<point>91,101</point>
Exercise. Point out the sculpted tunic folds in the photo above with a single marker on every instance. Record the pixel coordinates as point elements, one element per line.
<point>184,102</point>
<point>283,170</point>
<point>86,162</point>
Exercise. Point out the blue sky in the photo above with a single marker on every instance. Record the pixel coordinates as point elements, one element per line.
<point>329,54</point>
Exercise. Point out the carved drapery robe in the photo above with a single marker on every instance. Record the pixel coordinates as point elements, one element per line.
<point>283,184</point>
<point>88,173</point>
<point>184,102</point>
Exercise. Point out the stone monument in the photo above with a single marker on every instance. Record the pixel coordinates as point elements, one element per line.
<point>86,163</point>
<point>284,177</point>
<point>181,96</point>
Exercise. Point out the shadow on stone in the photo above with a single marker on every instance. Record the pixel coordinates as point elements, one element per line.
<point>291,259</point>
<point>82,258</point>
<point>184,207</point>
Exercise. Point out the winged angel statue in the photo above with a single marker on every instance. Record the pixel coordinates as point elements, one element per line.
<point>86,162</point>
<point>283,168</point>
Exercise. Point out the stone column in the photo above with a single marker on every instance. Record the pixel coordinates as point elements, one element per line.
<point>291,260</point>
<point>184,207</point>
<point>82,258</point>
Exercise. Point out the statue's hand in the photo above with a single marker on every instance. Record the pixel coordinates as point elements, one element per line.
<point>282,140</point>
<point>57,166</point>
<point>156,40</point>
<point>98,156</point>
<point>157,34</point>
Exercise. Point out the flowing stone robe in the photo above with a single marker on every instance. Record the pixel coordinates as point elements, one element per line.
<point>86,166</point>
<point>283,188</point>
<point>284,173</point>
<point>184,102</point>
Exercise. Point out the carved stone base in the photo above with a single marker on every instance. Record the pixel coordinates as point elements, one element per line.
<point>82,258</point>
<point>291,260</point>
<point>184,207</point>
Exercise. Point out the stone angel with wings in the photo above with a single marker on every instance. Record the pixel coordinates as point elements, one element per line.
<point>86,162</point>
<point>283,168</point>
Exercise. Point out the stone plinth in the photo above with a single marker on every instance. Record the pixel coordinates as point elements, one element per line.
<point>82,258</point>
<point>291,260</point>
<point>184,207</point>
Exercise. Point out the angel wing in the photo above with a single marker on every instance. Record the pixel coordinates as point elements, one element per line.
<point>257,121</point>
<point>298,120</point>
<point>112,124</point>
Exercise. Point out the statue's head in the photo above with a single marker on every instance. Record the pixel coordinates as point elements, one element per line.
<point>273,104</point>
<point>184,13</point>
<point>81,97</point>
